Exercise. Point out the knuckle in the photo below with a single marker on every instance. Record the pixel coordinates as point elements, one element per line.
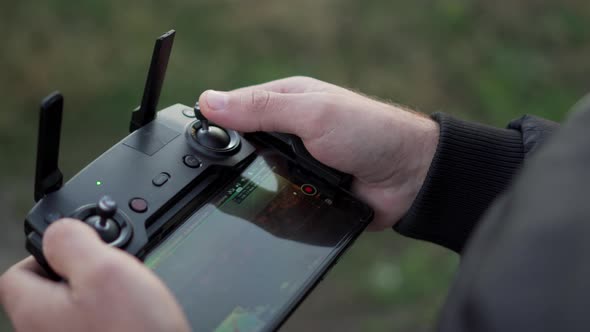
<point>320,115</point>
<point>259,100</point>
<point>323,103</point>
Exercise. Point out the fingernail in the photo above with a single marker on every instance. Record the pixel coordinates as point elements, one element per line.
<point>216,100</point>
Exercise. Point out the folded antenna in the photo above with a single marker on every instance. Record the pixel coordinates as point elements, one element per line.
<point>146,112</point>
<point>48,177</point>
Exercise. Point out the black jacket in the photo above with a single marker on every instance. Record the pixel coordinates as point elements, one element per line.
<point>518,210</point>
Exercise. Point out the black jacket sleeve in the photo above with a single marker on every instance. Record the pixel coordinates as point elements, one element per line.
<point>527,265</point>
<point>472,165</point>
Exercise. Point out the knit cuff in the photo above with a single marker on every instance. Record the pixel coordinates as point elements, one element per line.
<point>473,163</point>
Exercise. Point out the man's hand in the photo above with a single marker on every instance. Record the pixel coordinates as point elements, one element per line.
<point>106,289</point>
<point>386,148</point>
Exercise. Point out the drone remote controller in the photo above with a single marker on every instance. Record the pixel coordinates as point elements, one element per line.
<point>131,193</point>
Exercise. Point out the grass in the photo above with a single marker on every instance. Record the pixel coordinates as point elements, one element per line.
<point>481,60</point>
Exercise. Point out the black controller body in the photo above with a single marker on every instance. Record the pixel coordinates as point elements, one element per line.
<point>144,173</point>
<point>148,173</point>
<point>134,194</point>
<point>143,191</point>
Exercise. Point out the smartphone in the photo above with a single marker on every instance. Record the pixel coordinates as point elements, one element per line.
<point>246,256</point>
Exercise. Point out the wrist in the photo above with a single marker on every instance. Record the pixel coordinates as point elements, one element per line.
<point>423,144</point>
<point>410,142</point>
<point>419,144</point>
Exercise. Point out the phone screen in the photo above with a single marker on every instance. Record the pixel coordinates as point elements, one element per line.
<point>245,259</point>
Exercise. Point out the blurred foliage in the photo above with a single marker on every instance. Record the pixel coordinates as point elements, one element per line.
<point>483,60</point>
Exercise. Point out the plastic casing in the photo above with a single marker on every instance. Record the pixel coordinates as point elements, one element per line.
<point>126,171</point>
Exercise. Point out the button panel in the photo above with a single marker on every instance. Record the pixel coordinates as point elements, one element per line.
<point>158,147</point>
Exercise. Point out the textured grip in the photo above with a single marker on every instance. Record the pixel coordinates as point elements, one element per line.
<point>294,147</point>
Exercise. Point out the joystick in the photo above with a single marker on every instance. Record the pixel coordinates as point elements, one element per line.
<point>199,115</point>
<point>210,136</point>
<point>103,221</point>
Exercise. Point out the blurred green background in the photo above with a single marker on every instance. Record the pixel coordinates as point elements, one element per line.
<point>483,60</point>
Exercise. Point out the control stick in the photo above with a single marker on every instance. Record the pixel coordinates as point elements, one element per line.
<point>211,137</point>
<point>201,117</point>
<point>103,222</point>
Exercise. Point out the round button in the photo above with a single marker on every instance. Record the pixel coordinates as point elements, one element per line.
<point>138,205</point>
<point>188,112</point>
<point>308,189</point>
<point>191,161</point>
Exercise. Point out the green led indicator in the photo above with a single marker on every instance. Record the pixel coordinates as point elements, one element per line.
<point>98,183</point>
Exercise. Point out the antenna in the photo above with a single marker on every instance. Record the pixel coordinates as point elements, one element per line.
<point>145,113</point>
<point>48,177</point>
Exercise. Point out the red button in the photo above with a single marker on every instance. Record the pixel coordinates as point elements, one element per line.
<point>138,205</point>
<point>308,189</point>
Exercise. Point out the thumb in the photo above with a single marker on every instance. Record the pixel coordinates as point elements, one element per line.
<point>71,247</point>
<point>260,110</point>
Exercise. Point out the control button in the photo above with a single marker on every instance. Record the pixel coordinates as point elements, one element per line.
<point>308,189</point>
<point>138,205</point>
<point>191,161</point>
<point>52,217</point>
<point>160,179</point>
<point>188,112</point>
